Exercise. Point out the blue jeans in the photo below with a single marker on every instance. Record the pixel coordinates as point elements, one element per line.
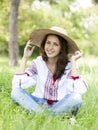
<point>70,102</point>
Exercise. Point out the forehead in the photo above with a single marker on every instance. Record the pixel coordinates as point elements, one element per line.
<point>53,37</point>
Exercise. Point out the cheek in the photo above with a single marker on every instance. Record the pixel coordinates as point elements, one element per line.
<point>59,49</point>
<point>45,47</point>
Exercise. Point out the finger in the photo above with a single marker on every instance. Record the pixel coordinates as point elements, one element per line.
<point>29,45</point>
<point>31,51</point>
<point>78,53</point>
<point>33,48</point>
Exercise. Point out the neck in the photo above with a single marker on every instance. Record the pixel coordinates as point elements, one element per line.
<point>51,61</point>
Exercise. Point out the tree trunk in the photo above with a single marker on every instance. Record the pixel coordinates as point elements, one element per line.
<point>13,33</point>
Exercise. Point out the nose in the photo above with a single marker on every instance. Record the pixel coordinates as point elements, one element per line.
<point>50,46</point>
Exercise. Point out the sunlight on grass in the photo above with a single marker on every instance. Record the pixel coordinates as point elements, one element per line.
<point>13,117</point>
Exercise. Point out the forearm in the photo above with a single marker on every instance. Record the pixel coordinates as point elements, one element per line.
<point>74,69</point>
<point>23,81</point>
<point>28,50</point>
<point>22,65</point>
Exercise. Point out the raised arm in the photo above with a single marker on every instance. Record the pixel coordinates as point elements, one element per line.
<point>74,58</point>
<point>28,50</point>
<point>76,83</point>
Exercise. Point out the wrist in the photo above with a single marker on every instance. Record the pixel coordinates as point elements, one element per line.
<point>24,58</point>
<point>73,59</point>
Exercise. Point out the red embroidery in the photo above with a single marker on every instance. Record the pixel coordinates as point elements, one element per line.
<point>27,74</point>
<point>51,101</point>
<point>75,77</point>
<point>51,88</point>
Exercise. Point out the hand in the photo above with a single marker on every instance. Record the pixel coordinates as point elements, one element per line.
<point>77,55</point>
<point>28,50</point>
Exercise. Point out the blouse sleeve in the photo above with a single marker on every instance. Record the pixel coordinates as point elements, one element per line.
<point>26,79</point>
<point>80,86</point>
<point>76,84</point>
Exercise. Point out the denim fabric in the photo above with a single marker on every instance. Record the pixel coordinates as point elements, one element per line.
<point>70,102</point>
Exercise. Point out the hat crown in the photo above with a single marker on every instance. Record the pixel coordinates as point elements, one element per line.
<point>59,29</point>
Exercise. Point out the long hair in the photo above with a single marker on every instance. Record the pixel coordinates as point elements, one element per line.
<point>62,57</point>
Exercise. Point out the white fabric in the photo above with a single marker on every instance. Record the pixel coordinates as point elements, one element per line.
<point>65,85</point>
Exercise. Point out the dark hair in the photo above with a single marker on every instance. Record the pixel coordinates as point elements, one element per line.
<point>62,57</point>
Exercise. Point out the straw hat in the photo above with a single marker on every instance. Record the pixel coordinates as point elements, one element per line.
<point>38,35</point>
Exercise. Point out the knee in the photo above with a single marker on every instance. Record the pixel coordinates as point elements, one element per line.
<point>77,98</point>
<point>15,93</point>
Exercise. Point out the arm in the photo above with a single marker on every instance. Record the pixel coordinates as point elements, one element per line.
<point>28,50</point>
<point>74,58</point>
<point>79,85</point>
<point>21,79</point>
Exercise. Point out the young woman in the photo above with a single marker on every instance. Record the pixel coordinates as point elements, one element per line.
<point>58,83</point>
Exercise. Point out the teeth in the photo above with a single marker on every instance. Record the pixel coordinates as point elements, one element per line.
<point>49,52</point>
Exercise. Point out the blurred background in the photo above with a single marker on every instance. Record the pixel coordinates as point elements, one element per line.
<point>18,18</point>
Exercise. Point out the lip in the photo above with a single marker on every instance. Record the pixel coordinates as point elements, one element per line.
<point>49,52</point>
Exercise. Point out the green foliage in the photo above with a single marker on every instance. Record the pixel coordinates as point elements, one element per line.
<point>13,117</point>
<point>4,8</point>
<point>55,12</point>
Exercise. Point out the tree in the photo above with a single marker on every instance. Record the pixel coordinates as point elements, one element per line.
<point>95,1</point>
<point>13,32</point>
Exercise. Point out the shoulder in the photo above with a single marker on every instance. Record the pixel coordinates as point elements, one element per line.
<point>39,62</point>
<point>38,59</point>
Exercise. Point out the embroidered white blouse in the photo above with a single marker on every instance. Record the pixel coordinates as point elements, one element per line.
<point>46,87</point>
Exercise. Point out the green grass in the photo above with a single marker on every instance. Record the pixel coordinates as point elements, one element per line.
<point>13,117</point>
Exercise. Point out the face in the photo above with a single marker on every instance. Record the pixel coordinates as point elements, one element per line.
<point>52,46</point>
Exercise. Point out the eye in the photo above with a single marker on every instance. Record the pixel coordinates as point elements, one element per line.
<point>47,42</point>
<point>56,44</point>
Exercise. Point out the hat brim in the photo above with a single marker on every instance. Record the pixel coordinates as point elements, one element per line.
<point>37,37</point>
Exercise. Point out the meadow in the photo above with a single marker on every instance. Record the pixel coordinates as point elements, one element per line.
<point>13,117</point>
